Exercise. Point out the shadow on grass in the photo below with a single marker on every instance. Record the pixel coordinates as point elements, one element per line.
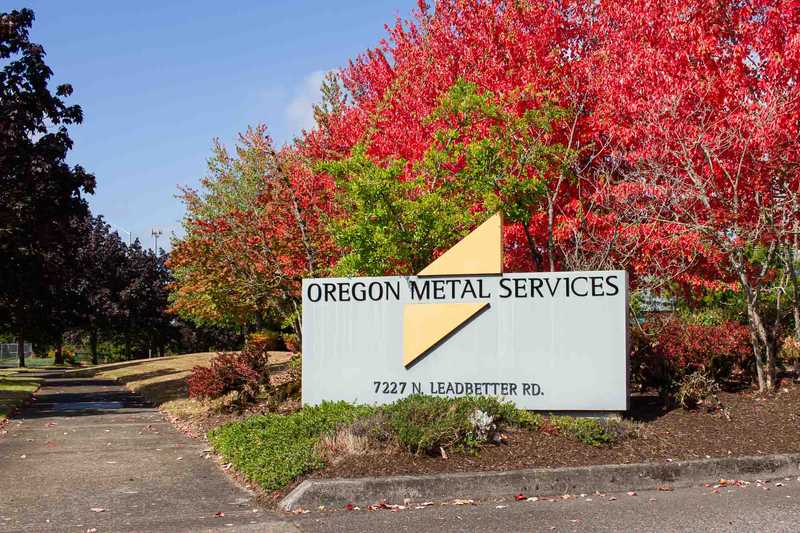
<point>15,391</point>
<point>164,390</point>
<point>93,371</point>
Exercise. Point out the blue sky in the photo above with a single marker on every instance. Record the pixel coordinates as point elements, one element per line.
<point>157,81</point>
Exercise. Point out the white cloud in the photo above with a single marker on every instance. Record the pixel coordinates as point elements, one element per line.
<point>300,111</point>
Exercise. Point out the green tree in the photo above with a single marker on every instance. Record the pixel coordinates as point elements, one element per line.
<point>505,150</point>
<point>486,156</point>
<point>390,225</point>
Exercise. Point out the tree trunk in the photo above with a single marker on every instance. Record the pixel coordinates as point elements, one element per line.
<point>797,321</point>
<point>537,259</point>
<point>59,360</point>
<point>297,320</point>
<point>93,346</point>
<point>21,350</point>
<point>763,349</point>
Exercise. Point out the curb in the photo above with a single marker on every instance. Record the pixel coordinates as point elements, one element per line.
<point>336,493</point>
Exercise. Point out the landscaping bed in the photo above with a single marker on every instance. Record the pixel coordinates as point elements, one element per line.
<point>757,426</point>
<point>275,452</point>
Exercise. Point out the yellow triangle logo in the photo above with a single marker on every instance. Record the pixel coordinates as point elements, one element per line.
<point>426,325</point>
<point>480,252</point>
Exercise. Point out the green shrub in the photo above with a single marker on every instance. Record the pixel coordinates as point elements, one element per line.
<point>272,450</point>
<point>526,420</point>
<point>587,430</point>
<point>427,423</point>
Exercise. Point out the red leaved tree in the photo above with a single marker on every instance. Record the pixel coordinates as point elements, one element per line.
<point>701,99</point>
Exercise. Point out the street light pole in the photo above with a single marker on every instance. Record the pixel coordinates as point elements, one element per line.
<point>156,233</point>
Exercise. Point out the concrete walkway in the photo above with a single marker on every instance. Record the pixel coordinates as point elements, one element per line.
<point>87,455</point>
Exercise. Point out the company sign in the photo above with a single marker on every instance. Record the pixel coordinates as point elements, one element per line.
<point>546,341</point>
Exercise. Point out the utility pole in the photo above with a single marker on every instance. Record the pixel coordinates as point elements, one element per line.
<point>156,233</point>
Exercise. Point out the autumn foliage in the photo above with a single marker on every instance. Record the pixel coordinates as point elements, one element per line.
<point>245,372</point>
<point>713,348</point>
<point>656,137</point>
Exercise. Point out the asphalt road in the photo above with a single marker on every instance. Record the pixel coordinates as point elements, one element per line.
<point>88,456</point>
<point>757,507</point>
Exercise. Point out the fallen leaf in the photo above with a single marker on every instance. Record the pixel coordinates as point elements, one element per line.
<point>501,506</point>
<point>665,488</point>
<point>349,507</point>
<point>219,514</point>
<point>463,502</point>
<point>631,493</point>
<point>519,497</point>
<point>98,510</point>
<point>533,499</point>
<point>612,498</point>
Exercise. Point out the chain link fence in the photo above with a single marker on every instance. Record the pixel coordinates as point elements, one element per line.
<point>8,353</point>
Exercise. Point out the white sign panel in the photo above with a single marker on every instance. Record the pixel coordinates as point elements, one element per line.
<point>545,341</point>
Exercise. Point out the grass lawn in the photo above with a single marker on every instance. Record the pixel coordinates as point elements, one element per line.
<point>161,379</point>
<point>32,363</point>
<point>15,388</point>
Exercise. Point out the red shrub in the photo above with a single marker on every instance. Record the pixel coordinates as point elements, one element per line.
<point>690,347</point>
<point>246,372</point>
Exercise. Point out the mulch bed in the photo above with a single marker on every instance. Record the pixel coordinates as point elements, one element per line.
<point>754,426</point>
<point>749,425</point>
